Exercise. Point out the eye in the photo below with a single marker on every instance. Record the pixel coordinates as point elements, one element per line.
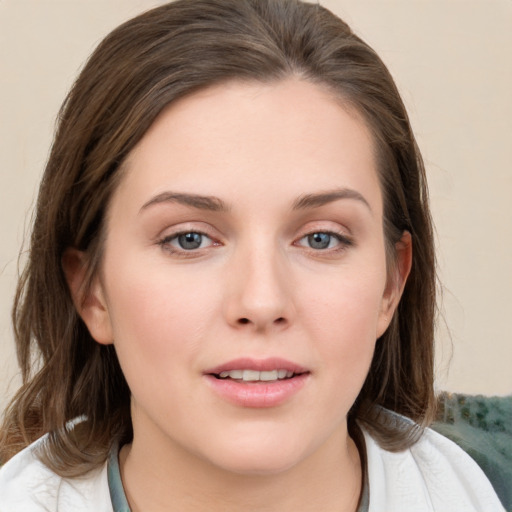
<point>323,240</point>
<point>187,241</point>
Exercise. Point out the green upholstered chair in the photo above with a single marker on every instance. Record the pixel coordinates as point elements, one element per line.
<point>481,426</point>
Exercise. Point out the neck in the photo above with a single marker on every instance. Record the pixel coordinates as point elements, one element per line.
<point>173,479</point>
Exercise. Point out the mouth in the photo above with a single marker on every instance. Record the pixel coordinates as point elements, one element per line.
<point>247,375</point>
<point>247,369</point>
<point>256,383</point>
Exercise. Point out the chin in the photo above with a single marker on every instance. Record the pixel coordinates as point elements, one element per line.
<point>259,458</point>
<point>259,465</point>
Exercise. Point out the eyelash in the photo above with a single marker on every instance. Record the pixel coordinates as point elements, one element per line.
<point>344,242</point>
<point>165,243</point>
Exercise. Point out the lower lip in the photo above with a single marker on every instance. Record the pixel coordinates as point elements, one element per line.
<point>257,394</point>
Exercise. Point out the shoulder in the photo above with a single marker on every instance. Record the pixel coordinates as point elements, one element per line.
<point>27,485</point>
<point>432,475</point>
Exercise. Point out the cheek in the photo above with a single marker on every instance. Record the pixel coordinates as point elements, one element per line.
<point>346,337</point>
<point>158,317</point>
<point>347,304</point>
<point>342,314</point>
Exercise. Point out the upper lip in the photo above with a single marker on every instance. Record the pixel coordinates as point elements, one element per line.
<point>247,363</point>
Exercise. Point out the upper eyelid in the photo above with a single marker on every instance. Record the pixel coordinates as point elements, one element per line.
<point>320,227</point>
<point>216,234</point>
<point>330,232</point>
<point>187,227</point>
<point>342,237</point>
<point>180,232</point>
<point>173,236</point>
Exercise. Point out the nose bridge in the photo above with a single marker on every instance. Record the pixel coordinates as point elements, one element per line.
<point>260,295</point>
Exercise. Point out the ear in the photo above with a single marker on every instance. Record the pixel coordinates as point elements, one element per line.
<point>396,282</point>
<point>89,301</point>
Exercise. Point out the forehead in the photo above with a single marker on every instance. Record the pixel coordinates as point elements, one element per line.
<point>287,137</point>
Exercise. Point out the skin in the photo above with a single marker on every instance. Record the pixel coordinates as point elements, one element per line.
<point>254,288</point>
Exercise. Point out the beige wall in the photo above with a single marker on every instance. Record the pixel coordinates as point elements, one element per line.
<point>452,62</point>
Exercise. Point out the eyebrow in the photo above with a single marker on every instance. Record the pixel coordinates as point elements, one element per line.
<point>329,196</point>
<point>209,203</point>
<point>214,204</point>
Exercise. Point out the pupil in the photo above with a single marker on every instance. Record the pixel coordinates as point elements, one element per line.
<point>319,240</point>
<point>190,240</point>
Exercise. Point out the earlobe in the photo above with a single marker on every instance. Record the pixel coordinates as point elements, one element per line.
<point>90,300</point>
<point>396,281</point>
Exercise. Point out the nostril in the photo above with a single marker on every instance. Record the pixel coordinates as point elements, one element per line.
<point>278,321</point>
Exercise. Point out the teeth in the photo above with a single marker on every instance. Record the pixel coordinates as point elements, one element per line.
<point>268,375</point>
<point>254,375</point>
<point>233,374</point>
<point>251,375</point>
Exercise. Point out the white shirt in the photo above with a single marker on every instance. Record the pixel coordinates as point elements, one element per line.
<point>434,475</point>
<point>27,485</point>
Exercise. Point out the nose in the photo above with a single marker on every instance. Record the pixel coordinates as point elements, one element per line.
<point>259,292</point>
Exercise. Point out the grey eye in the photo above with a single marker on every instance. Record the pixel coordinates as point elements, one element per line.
<point>319,240</point>
<point>190,241</point>
<point>186,242</point>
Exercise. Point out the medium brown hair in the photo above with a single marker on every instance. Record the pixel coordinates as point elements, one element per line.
<point>139,69</point>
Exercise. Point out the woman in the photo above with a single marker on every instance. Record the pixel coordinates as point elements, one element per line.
<point>231,280</point>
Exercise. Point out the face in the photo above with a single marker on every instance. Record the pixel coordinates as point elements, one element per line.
<point>244,279</point>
